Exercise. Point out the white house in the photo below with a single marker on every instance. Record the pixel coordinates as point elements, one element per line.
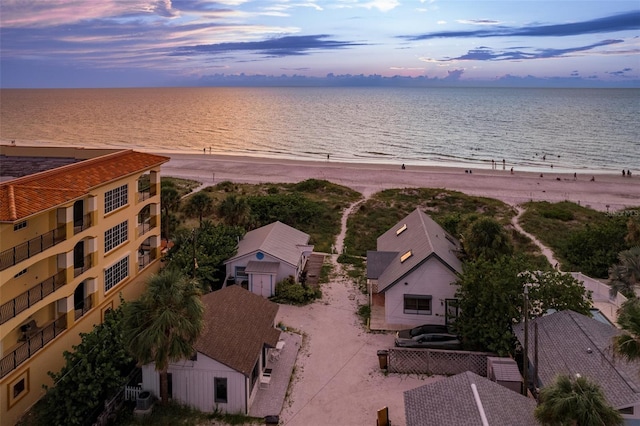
<point>411,273</point>
<point>231,354</point>
<point>268,255</point>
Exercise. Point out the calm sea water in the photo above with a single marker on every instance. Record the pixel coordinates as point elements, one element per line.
<point>583,129</point>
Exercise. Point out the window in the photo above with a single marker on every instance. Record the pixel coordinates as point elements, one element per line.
<point>115,198</point>
<point>24,271</point>
<point>220,389</point>
<point>115,236</point>
<point>18,226</point>
<point>241,275</point>
<point>402,229</point>
<point>19,387</point>
<point>406,256</point>
<point>116,273</point>
<point>417,304</point>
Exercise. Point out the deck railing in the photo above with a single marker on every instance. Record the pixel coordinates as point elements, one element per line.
<point>85,266</point>
<point>32,247</point>
<point>82,224</point>
<point>82,308</point>
<point>30,297</point>
<point>36,342</point>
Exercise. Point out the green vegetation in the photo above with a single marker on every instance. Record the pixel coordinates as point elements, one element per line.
<point>575,401</point>
<point>177,414</point>
<point>627,344</point>
<point>364,312</point>
<point>450,209</point>
<point>624,276</point>
<point>164,323</point>
<point>582,239</point>
<point>183,186</point>
<point>95,370</point>
<point>490,296</point>
<point>290,292</point>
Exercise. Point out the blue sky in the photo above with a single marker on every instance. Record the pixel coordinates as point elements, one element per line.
<point>124,43</point>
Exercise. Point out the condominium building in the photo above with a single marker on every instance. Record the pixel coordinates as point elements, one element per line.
<point>79,229</point>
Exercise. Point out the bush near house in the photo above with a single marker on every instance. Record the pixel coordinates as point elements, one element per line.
<point>290,292</point>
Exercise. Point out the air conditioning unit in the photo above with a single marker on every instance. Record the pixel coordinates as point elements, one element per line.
<point>505,372</point>
<point>144,401</point>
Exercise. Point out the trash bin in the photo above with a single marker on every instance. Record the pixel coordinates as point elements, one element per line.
<point>383,355</point>
<point>272,420</point>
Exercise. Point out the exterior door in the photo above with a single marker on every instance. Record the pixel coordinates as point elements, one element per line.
<point>450,311</point>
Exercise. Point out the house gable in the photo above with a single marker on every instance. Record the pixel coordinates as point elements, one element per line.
<point>415,238</point>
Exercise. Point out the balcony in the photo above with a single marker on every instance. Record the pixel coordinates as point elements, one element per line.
<point>82,224</point>
<point>146,191</point>
<point>35,341</point>
<point>145,257</point>
<point>32,296</point>
<point>146,225</point>
<point>17,254</point>
<point>82,267</point>
<point>82,308</point>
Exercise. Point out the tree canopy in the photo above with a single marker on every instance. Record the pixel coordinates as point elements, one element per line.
<point>625,275</point>
<point>199,205</point>
<point>578,402</point>
<point>486,237</point>
<point>163,324</point>
<point>627,344</point>
<point>212,245</point>
<point>490,296</point>
<point>94,371</point>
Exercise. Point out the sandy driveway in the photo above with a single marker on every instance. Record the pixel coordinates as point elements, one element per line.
<point>337,378</point>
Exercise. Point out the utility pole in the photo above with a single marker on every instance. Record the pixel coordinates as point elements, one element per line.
<point>525,355</point>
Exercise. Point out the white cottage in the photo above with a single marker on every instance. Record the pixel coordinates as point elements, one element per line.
<point>230,357</point>
<point>411,273</point>
<point>268,255</point>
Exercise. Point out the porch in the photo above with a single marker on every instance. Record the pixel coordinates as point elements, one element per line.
<point>270,399</point>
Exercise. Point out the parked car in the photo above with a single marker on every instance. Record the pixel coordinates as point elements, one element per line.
<point>422,329</point>
<point>430,341</point>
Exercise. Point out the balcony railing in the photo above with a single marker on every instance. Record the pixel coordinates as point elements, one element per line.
<point>82,224</point>
<point>146,225</point>
<point>146,193</point>
<point>32,296</point>
<point>145,258</point>
<point>30,248</point>
<point>82,308</point>
<point>83,267</point>
<point>34,343</point>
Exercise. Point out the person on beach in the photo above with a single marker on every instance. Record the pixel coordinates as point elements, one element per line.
<point>204,150</point>
<point>403,166</point>
<point>327,157</point>
<point>493,165</point>
<point>575,176</point>
<point>623,173</point>
<point>629,173</point>
<point>503,164</point>
<point>512,170</point>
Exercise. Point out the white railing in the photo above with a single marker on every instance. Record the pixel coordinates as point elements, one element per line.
<point>131,392</point>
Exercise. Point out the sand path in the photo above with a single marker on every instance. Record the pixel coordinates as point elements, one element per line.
<point>546,251</point>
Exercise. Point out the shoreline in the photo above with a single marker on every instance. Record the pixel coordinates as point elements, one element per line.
<point>608,192</point>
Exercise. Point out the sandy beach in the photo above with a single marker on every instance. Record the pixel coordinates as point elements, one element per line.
<point>607,192</point>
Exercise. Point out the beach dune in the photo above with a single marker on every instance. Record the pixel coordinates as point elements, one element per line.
<point>607,192</point>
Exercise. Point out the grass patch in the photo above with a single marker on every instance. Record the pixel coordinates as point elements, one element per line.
<point>321,200</point>
<point>178,414</point>
<point>384,209</point>
<point>364,312</point>
<point>184,186</point>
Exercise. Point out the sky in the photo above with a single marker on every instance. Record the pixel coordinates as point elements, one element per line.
<point>142,43</point>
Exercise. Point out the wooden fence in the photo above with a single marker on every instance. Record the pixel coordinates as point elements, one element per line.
<point>436,361</point>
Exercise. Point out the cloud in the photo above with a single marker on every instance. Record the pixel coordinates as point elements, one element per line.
<point>620,73</point>
<point>484,53</point>
<point>621,22</point>
<point>478,21</point>
<point>276,47</point>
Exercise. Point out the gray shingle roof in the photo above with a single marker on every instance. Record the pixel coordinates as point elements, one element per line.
<point>277,239</point>
<point>450,402</point>
<point>237,324</point>
<point>377,262</point>
<point>563,341</point>
<point>424,238</point>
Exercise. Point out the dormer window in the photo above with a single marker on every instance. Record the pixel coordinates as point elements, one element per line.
<point>406,256</point>
<point>402,229</point>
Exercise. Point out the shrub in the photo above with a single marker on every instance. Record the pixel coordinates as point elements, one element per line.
<point>289,291</point>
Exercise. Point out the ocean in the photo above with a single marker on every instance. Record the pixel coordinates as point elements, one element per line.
<point>596,130</point>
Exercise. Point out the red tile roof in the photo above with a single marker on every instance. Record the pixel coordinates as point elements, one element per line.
<point>25,196</point>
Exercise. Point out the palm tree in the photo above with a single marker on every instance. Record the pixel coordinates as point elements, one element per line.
<point>625,275</point>
<point>164,323</point>
<point>199,204</point>
<point>235,211</point>
<point>578,402</point>
<point>170,200</point>
<point>486,237</point>
<point>627,344</point>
